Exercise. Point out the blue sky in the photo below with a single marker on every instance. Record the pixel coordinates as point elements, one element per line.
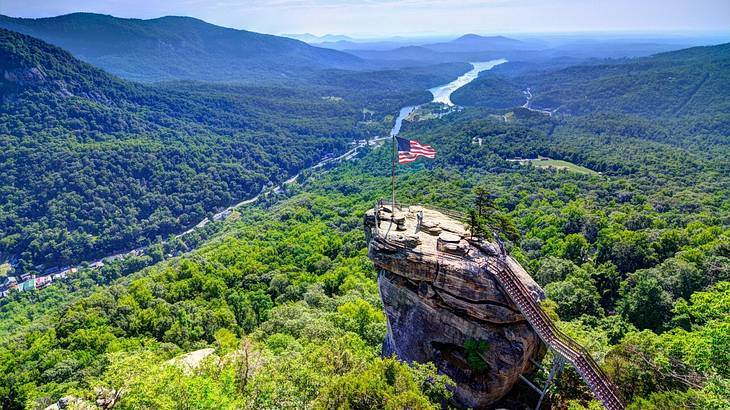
<point>380,18</point>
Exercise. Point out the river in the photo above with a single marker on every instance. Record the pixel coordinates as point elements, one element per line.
<point>442,93</point>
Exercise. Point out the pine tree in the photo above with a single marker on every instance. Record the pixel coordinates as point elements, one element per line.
<point>485,219</point>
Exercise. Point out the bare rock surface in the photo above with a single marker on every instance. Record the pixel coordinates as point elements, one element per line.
<point>192,360</point>
<point>438,295</point>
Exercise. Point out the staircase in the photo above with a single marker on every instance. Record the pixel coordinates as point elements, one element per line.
<point>595,378</point>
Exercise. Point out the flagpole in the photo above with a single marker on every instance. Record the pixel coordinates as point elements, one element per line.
<point>394,155</point>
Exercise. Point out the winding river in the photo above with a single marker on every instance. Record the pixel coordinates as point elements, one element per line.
<point>442,93</point>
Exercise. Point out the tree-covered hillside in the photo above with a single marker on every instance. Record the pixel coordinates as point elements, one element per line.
<point>636,268</point>
<point>179,48</point>
<point>93,164</point>
<point>686,82</point>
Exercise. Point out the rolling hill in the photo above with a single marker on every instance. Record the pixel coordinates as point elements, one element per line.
<point>179,48</point>
<point>92,163</point>
<point>467,48</point>
<point>477,43</point>
<point>690,81</point>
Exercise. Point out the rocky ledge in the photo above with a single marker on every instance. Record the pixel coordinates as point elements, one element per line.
<point>442,303</point>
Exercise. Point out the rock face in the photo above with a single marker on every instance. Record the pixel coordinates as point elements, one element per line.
<point>439,297</point>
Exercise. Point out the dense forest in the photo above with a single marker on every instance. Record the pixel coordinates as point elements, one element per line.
<point>634,257</point>
<point>93,164</point>
<point>684,82</point>
<point>286,296</point>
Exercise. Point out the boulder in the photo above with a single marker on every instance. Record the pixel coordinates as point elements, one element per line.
<point>191,361</point>
<point>440,297</point>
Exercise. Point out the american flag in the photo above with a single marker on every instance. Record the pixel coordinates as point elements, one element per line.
<point>410,150</point>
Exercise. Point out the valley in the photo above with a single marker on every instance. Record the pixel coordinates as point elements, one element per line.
<point>189,215</point>
<point>440,94</point>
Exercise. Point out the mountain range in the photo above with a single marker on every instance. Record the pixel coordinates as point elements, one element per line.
<point>690,81</point>
<point>313,39</point>
<point>179,48</point>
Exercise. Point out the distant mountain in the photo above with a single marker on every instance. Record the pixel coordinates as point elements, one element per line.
<point>472,47</point>
<point>343,45</point>
<point>475,43</point>
<point>179,48</point>
<point>312,39</point>
<point>92,163</point>
<point>467,48</point>
<point>401,53</point>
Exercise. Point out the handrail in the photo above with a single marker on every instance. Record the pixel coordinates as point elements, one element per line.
<point>577,355</point>
<point>448,212</point>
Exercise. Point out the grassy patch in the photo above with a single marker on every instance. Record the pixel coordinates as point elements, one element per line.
<point>547,163</point>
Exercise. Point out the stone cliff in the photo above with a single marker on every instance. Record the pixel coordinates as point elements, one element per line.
<point>442,303</point>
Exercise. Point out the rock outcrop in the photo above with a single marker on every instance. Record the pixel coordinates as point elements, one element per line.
<point>440,299</point>
<point>189,362</point>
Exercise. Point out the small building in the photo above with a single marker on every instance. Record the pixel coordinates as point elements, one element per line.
<point>9,282</point>
<point>42,281</point>
<point>27,285</point>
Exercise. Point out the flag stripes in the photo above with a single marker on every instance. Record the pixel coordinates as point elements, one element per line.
<point>411,150</point>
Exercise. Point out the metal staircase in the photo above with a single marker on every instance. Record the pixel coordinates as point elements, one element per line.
<point>597,381</point>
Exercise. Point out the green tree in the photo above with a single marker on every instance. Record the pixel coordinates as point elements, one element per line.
<point>645,302</point>
<point>575,248</point>
<point>575,296</point>
<point>485,219</point>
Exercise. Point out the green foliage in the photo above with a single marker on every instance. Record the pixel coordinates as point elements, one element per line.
<point>685,81</point>
<point>363,319</point>
<point>387,384</point>
<point>485,219</point>
<point>474,351</point>
<point>188,48</point>
<point>93,164</point>
<point>645,303</point>
<point>575,296</point>
<point>636,260</point>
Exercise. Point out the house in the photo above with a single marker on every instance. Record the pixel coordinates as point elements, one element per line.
<point>63,274</point>
<point>27,285</point>
<point>9,282</point>
<point>43,281</point>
